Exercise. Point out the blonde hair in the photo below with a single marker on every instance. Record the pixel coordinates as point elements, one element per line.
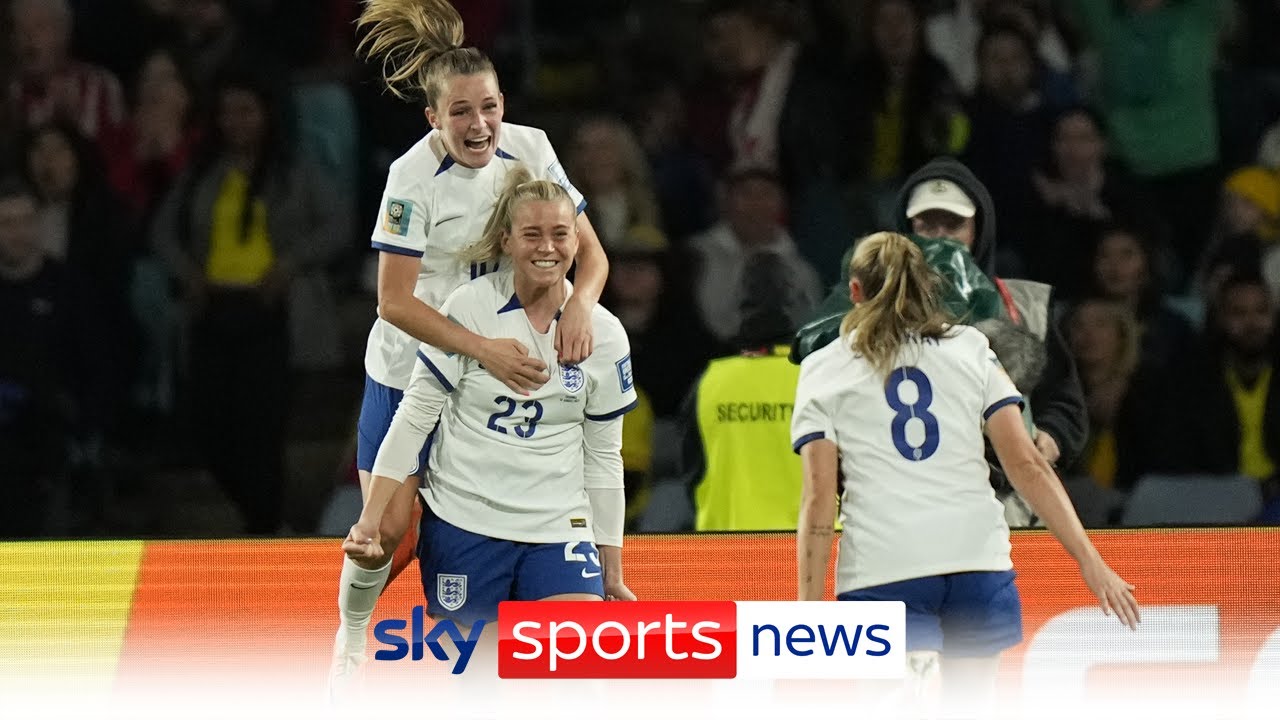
<point>637,181</point>
<point>520,187</point>
<point>901,298</point>
<point>419,43</point>
<point>1128,332</point>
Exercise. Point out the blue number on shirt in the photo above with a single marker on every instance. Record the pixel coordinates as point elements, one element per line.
<point>493,419</point>
<point>919,409</point>
<point>530,423</point>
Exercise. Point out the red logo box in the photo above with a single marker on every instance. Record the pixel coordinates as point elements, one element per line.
<point>649,640</point>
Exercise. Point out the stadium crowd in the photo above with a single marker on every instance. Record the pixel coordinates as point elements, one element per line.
<point>187,189</point>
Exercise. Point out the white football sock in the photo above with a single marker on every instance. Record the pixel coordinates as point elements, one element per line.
<point>357,595</point>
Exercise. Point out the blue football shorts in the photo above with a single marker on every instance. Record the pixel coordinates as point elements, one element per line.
<point>466,575</point>
<point>970,614</point>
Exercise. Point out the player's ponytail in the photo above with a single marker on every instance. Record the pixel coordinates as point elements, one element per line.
<point>419,43</point>
<point>900,299</point>
<point>520,187</point>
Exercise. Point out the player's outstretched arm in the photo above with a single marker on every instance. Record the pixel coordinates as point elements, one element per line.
<point>574,337</point>
<point>1034,479</point>
<point>817,517</point>
<point>602,477</point>
<point>363,540</point>
<point>504,358</point>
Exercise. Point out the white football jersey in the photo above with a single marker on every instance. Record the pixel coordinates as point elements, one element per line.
<point>432,208</point>
<point>511,466</point>
<point>917,500</point>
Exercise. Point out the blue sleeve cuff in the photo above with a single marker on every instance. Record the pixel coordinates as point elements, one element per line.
<point>806,439</point>
<point>616,413</point>
<point>444,382</point>
<point>396,250</point>
<point>582,206</point>
<point>991,410</point>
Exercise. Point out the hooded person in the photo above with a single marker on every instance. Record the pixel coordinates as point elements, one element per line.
<point>944,201</point>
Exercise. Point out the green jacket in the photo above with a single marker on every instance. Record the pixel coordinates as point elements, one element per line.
<point>970,297</point>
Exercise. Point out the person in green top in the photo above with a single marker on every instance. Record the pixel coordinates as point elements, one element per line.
<point>1157,60</point>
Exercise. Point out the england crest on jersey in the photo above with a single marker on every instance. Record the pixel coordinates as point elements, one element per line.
<point>451,590</point>
<point>571,378</point>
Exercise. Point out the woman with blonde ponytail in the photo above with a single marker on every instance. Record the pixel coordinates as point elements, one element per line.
<point>436,201</point>
<point>526,496</point>
<point>898,407</point>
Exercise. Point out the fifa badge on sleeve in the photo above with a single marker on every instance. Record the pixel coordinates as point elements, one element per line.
<point>396,219</point>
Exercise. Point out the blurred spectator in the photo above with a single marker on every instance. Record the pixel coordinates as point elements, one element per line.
<point>1125,271</point>
<point>84,227</point>
<point>246,224</point>
<point>953,36</point>
<point>791,115</point>
<point>1268,155</point>
<point>50,380</point>
<point>681,178</point>
<point>1077,193</point>
<point>669,344</point>
<point>1247,230</point>
<point>1235,425</point>
<point>1248,81</point>
<point>50,84</point>
<point>150,151</point>
<point>1118,391</point>
<point>787,115</point>
<point>736,456</point>
<point>1251,204</point>
<point>608,166</point>
<point>753,204</point>
<point>82,222</point>
<point>907,108</point>
<point>1157,59</point>
<point>121,34</point>
<point>210,38</point>
<point>1009,130</point>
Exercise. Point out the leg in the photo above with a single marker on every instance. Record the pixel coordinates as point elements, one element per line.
<point>559,572</point>
<point>918,694</point>
<point>362,582</point>
<point>968,686</point>
<point>407,551</point>
<point>981,617</point>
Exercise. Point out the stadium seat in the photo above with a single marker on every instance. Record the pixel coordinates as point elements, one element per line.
<point>1095,505</point>
<point>1193,500</point>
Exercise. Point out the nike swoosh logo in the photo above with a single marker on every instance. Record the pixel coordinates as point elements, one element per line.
<point>358,586</point>
<point>586,574</point>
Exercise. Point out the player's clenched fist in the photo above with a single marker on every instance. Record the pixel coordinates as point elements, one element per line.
<point>363,542</point>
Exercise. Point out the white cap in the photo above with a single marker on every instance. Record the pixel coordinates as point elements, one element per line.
<point>939,194</point>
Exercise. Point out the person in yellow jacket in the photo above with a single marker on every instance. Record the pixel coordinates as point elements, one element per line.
<point>736,455</point>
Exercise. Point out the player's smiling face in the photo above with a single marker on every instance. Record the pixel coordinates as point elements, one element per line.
<point>543,240</point>
<point>468,114</point>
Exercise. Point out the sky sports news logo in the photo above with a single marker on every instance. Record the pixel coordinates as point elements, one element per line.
<point>654,640</point>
